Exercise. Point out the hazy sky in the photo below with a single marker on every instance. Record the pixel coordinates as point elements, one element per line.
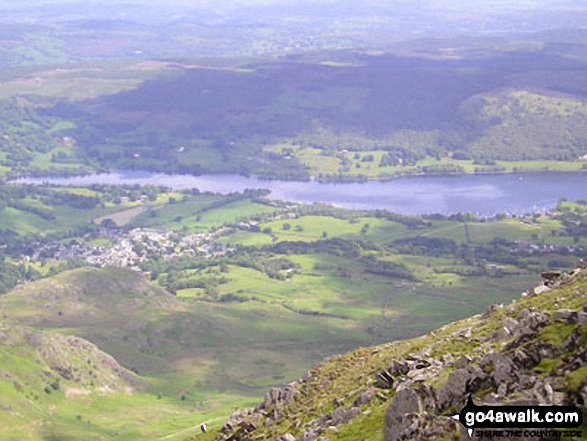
<point>449,4</point>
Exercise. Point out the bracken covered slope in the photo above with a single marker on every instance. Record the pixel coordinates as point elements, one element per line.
<point>533,351</point>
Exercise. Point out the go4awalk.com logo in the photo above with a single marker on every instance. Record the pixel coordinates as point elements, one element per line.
<point>520,421</point>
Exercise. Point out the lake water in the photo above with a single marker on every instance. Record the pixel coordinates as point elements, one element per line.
<point>481,194</point>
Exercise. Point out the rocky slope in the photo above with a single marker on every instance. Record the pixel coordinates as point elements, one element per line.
<point>533,351</point>
<point>39,369</point>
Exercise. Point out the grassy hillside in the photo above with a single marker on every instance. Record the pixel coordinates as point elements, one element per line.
<point>42,370</point>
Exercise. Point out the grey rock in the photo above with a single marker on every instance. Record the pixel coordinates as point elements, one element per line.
<point>551,275</point>
<point>384,380</point>
<point>364,397</point>
<point>502,390</point>
<point>490,310</point>
<point>540,289</point>
<point>460,383</point>
<point>279,397</point>
<point>342,416</point>
<point>543,393</point>
<point>504,370</point>
<point>527,381</point>
<point>421,398</point>
<point>309,435</point>
<point>510,325</point>
<point>396,369</point>
<point>416,426</point>
<point>463,363</point>
<point>567,316</point>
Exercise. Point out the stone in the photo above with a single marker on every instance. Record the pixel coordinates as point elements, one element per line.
<point>460,383</point>
<point>384,380</point>
<point>396,369</point>
<point>510,325</point>
<point>500,334</point>
<point>364,397</point>
<point>418,399</point>
<point>279,397</point>
<point>531,321</point>
<point>567,316</point>
<point>490,310</point>
<point>416,426</point>
<point>463,363</point>
<point>309,435</point>
<point>504,370</point>
<point>540,289</point>
<point>573,341</point>
<point>344,416</point>
<point>543,392</point>
<point>551,275</point>
<point>527,381</point>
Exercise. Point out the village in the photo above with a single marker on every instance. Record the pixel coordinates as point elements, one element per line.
<point>131,248</point>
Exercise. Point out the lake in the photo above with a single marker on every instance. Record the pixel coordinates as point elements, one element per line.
<point>481,194</point>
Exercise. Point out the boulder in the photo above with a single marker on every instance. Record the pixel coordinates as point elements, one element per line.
<point>415,426</point>
<point>463,363</point>
<point>551,275</point>
<point>396,369</point>
<point>407,401</point>
<point>567,316</point>
<point>384,379</point>
<point>309,435</point>
<point>279,397</point>
<point>364,397</point>
<point>531,321</point>
<point>540,289</point>
<point>510,325</point>
<point>460,383</point>
<point>344,416</point>
<point>504,370</point>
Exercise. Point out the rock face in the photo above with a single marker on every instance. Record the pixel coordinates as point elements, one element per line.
<point>531,352</point>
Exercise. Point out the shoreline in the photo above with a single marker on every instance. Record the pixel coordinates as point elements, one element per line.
<point>322,179</point>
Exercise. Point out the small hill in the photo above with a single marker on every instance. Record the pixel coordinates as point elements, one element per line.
<point>37,369</point>
<point>86,295</point>
<point>533,351</point>
<point>117,309</point>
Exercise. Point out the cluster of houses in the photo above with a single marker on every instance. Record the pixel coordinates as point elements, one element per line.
<point>130,248</point>
<point>527,247</point>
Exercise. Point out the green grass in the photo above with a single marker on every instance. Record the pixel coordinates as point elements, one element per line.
<point>246,238</point>
<point>62,126</point>
<point>319,162</point>
<point>121,218</point>
<point>199,213</point>
<point>21,221</point>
